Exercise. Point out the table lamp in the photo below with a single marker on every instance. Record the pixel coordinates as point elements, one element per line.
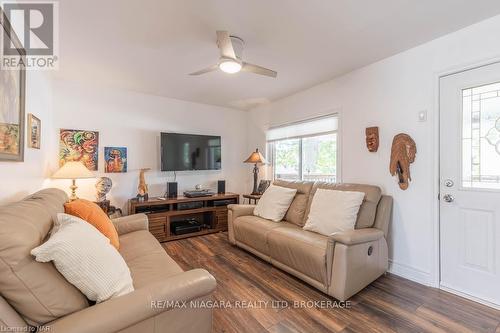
<point>255,158</point>
<point>73,171</point>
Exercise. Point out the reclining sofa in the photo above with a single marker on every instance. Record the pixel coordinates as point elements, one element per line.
<point>339,265</point>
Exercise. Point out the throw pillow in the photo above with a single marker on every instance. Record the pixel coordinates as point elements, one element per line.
<point>86,259</point>
<point>333,211</point>
<point>275,202</point>
<point>93,214</point>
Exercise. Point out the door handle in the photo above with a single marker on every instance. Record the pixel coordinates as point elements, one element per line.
<point>448,198</point>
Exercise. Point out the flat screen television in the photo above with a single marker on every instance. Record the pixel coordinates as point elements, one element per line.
<point>182,152</point>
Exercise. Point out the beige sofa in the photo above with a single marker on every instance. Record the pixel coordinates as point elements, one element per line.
<point>340,265</point>
<point>33,293</point>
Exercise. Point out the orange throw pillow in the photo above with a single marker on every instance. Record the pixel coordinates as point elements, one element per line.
<point>93,214</point>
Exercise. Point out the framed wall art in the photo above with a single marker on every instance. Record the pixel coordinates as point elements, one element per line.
<point>115,159</point>
<point>34,131</point>
<point>12,99</point>
<point>79,145</point>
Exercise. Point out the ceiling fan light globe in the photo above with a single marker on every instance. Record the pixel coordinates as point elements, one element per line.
<point>230,66</point>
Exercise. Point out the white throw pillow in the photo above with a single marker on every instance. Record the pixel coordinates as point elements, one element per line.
<point>85,257</point>
<point>274,203</point>
<point>333,211</point>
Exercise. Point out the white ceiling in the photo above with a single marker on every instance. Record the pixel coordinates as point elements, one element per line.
<point>150,46</point>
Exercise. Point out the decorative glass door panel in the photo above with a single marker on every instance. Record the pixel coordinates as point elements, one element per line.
<point>481,137</point>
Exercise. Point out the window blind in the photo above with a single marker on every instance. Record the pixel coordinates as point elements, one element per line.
<point>311,127</point>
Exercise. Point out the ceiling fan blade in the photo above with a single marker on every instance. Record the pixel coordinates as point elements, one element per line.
<point>258,70</point>
<point>225,45</point>
<point>206,70</point>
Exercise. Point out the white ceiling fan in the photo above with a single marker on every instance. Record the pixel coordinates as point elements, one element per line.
<point>231,49</point>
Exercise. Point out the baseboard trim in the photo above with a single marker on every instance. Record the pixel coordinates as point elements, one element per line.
<point>470,297</point>
<point>410,273</point>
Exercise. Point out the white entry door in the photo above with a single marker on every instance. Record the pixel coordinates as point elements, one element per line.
<point>470,183</point>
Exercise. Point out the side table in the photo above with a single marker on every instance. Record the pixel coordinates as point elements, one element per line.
<point>111,211</point>
<point>250,197</point>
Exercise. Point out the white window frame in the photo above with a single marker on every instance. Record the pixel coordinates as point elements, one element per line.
<point>271,153</point>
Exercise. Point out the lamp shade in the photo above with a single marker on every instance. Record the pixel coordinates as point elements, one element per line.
<point>73,170</point>
<point>255,158</point>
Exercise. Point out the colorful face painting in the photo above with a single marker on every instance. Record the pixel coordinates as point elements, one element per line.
<point>9,139</point>
<point>116,159</point>
<point>79,145</point>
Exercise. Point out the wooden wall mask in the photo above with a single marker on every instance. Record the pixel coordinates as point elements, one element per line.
<point>403,153</point>
<point>372,140</point>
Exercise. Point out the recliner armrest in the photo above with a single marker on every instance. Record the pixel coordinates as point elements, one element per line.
<point>131,223</point>
<point>141,304</point>
<point>357,236</point>
<point>240,210</point>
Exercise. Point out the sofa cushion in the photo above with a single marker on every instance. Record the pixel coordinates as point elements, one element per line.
<point>37,291</point>
<point>333,211</point>
<point>295,213</point>
<point>368,209</point>
<point>10,318</point>
<point>304,251</point>
<point>145,257</point>
<point>84,256</point>
<point>274,203</point>
<point>252,231</point>
<point>93,214</point>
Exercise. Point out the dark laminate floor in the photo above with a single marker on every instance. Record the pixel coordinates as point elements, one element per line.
<point>390,304</point>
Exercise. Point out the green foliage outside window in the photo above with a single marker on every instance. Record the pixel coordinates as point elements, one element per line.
<point>319,156</point>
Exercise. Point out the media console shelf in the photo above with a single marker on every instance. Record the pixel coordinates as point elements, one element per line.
<point>210,211</point>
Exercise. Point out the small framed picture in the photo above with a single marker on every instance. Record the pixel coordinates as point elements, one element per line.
<point>115,159</point>
<point>35,131</point>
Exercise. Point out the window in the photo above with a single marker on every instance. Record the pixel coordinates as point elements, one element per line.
<point>481,137</point>
<point>305,150</point>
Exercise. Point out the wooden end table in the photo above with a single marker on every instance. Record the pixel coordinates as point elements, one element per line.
<point>111,211</point>
<point>250,197</point>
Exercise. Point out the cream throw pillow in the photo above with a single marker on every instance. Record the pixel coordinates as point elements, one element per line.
<point>86,259</point>
<point>274,203</point>
<point>333,211</point>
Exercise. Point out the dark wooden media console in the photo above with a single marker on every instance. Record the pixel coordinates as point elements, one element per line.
<point>210,211</point>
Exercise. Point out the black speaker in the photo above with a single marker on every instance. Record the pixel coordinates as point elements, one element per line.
<point>221,186</point>
<point>172,189</point>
